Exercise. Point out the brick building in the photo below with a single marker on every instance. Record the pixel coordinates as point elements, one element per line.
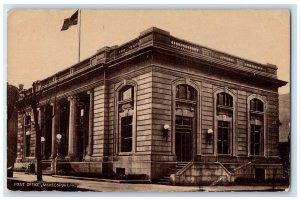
<point>160,108</point>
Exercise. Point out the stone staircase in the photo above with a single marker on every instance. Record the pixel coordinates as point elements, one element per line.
<point>166,180</point>
<point>229,167</point>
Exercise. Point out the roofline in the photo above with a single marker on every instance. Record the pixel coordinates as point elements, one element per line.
<point>153,36</point>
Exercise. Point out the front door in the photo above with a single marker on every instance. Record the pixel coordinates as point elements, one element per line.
<point>183,138</point>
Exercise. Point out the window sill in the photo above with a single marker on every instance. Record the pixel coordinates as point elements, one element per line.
<point>257,112</point>
<point>186,101</point>
<point>224,155</point>
<point>224,107</point>
<point>125,153</point>
<point>29,157</point>
<point>257,156</point>
<point>121,102</point>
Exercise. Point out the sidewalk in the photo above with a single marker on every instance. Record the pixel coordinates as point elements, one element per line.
<point>104,186</point>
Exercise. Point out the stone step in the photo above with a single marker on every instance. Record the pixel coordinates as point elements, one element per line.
<point>174,171</point>
<point>181,164</point>
<point>166,180</point>
<point>163,183</point>
<point>178,168</point>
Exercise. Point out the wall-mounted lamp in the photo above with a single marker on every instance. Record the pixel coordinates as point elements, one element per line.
<point>209,135</point>
<point>81,121</point>
<point>58,137</point>
<point>58,140</point>
<point>27,133</point>
<point>166,129</point>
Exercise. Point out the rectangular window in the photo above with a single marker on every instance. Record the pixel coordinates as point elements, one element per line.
<point>256,139</point>
<point>186,121</point>
<point>126,134</point>
<point>183,121</point>
<point>223,137</point>
<point>178,120</point>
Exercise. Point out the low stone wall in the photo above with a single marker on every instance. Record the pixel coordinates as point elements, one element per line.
<point>202,173</point>
<point>273,171</point>
<point>217,174</point>
<point>92,169</point>
<point>132,165</point>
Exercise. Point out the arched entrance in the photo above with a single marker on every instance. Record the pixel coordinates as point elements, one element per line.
<point>185,118</point>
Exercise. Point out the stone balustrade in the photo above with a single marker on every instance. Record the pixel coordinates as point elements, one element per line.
<point>155,36</point>
<point>186,46</point>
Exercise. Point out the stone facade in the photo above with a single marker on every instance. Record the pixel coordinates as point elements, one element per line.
<point>143,107</point>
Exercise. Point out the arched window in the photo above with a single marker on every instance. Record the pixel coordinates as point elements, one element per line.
<point>256,127</point>
<point>185,92</point>
<point>224,99</point>
<point>126,94</point>
<point>126,111</point>
<point>256,105</point>
<point>224,112</point>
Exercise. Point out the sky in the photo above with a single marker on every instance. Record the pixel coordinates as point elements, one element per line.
<point>37,49</point>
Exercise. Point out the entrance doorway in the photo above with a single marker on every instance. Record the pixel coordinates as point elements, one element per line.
<point>82,125</point>
<point>183,138</point>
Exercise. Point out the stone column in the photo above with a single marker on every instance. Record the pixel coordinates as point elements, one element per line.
<point>40,116</point>
<point>55,127</point>
<point>41,125</point>
<point>72,149</point>
<point>91,119</point>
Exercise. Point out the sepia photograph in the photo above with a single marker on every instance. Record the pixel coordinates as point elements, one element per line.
<point>168,100</point>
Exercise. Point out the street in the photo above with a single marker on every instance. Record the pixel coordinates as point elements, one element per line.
<point>103,186</point>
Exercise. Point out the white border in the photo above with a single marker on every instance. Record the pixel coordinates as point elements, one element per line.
<point>83,3</point>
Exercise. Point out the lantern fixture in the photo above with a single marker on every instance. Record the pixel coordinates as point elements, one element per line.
<point>165,132</point>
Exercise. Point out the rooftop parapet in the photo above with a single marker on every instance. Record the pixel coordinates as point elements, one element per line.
<point>161,38</point>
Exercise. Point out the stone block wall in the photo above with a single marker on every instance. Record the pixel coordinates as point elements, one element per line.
<point>202,174</point>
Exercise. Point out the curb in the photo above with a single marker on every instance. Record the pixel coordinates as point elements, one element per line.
<point>105,180</point>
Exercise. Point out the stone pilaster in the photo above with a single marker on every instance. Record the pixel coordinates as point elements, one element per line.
<point>55,128</point>
<point>72,149</point>
<point>41,121</point>
<point>91,119</point>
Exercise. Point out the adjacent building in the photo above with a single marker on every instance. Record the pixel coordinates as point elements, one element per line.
<point>158,108</point>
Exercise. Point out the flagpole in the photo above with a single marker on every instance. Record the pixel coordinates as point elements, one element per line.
<point>79,34</point>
